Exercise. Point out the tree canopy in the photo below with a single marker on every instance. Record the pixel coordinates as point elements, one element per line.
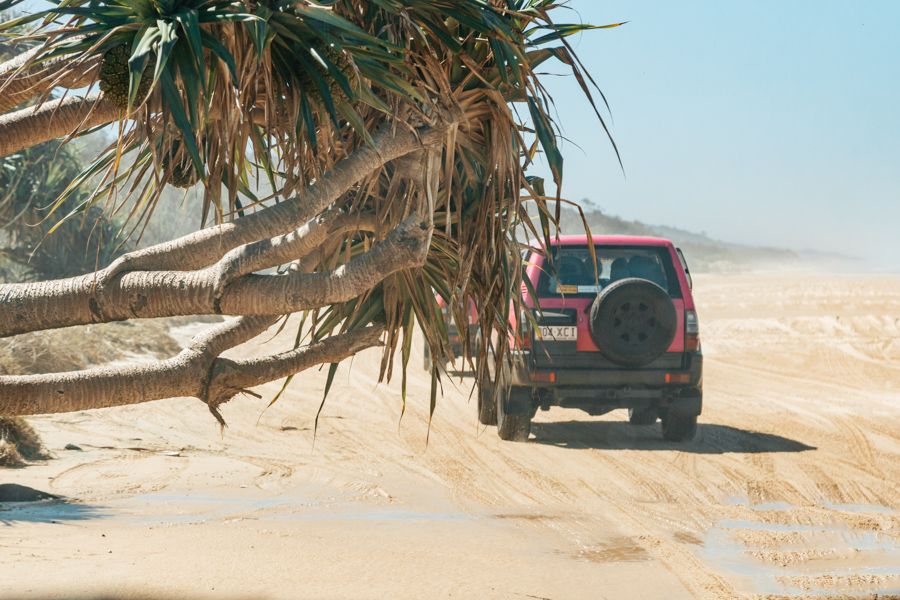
<point>395,134</point>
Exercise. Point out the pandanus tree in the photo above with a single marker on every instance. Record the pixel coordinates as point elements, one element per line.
<point>394,135</point>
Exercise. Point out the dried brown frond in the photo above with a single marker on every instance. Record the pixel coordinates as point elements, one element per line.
<point>19,442</point>
<point>9,455</point>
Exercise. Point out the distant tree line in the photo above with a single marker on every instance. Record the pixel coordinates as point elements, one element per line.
<point>82,239</point>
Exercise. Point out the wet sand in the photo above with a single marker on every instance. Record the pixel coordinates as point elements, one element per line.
<point>791,489</point>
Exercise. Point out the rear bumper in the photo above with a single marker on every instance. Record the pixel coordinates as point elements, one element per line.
<point>600,390</point>
<point>689,373</point>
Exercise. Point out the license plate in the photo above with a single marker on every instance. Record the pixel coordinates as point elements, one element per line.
<point>559,333</point>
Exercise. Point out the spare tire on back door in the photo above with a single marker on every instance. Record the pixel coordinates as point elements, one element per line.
<point>633,321</point>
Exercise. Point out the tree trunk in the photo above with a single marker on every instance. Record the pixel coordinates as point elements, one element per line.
<point>52,119</point>
<point>43,305</point>
<point>216,271</point>
<point>207,246</point>
<point>196,372</point>
<point>19,83</point>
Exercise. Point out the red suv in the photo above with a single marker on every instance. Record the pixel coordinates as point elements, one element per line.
<point>621,332</point>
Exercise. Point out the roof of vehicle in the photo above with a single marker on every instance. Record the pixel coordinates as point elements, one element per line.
<point>610,240</point>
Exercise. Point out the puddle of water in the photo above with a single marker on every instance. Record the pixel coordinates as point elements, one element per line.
<point>47,511</point>
<point>244,503</point>
<point>723,549</point>
<point>864,541</point>
<point>720,549</point>
<point>149,509</point>
<point>871,541</point>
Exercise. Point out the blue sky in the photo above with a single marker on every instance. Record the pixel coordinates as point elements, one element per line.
<point>764,122</point>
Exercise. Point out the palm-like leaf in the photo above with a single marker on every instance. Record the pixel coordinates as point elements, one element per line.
<point>284,89</point>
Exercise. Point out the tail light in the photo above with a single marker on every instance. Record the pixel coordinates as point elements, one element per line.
<point>678,377</point>
<point>691,331</point>
<point>543,376</point>
<point>525,334</point>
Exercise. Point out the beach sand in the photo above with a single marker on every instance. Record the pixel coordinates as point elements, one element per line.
<point>791,489</point>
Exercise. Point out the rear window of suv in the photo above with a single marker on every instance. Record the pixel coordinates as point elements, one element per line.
<point>574,270</point>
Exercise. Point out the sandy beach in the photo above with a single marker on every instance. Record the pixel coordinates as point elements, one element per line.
<point>791,489</point>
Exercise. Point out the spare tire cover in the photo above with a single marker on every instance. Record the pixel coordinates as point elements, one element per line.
<point>633,321</point>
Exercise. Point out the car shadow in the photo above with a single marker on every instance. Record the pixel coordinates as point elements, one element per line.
<point>611,435</point>
<point>51,511</point>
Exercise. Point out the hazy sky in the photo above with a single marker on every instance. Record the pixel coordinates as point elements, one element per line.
<point>764,122</point>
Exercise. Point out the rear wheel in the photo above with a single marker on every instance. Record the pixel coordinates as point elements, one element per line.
<point>512,427</point>
<point>679,428</point>
<point>487,404</point>
<point>643,416</point>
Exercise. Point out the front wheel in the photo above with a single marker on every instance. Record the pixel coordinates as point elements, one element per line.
<point>512,427</point>
<point>487,405</point>
<point>679,428</point>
